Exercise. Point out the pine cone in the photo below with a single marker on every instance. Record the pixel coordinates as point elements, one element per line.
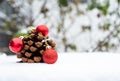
<point>34,47</point>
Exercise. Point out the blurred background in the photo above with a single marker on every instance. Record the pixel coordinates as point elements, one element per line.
<point>75,25</point>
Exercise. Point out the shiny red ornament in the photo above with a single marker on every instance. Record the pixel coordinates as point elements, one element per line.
<point>50,56</point>
<point>43,29</point>
<point>16,45</point>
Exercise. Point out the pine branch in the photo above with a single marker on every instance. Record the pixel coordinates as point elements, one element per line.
<point>107,37</point>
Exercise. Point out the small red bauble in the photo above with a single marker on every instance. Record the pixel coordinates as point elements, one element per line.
<point>50,56</point>
<point>43,29</point>
<point>16,45</point>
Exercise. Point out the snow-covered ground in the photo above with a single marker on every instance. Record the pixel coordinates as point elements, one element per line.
<point>69,67</point>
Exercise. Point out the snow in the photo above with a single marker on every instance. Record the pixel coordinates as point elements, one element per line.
<point>69,67</point>
<point>2,15</point>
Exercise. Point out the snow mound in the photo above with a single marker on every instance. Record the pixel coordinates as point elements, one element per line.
<point>69,67</point>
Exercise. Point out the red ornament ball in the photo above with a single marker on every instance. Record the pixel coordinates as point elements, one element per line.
<point>43,29</point>
<point>16,45</point>
<point>50,56</point>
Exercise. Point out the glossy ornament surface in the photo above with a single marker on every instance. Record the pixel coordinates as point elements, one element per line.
<point>42,29</point>
<point>50,56</point>
<point>16,45</point>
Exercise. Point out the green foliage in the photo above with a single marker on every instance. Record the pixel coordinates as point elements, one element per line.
<point>85,28</point>
<point>106,44</point>
<point>72,46</point>
<point>102,8</point>
<point>105,8</point>
<point>115,34</point>
<point>63,3</point>
<point>30,1</point>
<point>14,19</point>
<point>93,5</point>
<point>10,26</point>
<point>112,45</point>
<point>18,34</point>
<point>118,31</point>
<point>118,1</point>
<point>105,27</point>
<point>59,28</point>
<point>64,40</point>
